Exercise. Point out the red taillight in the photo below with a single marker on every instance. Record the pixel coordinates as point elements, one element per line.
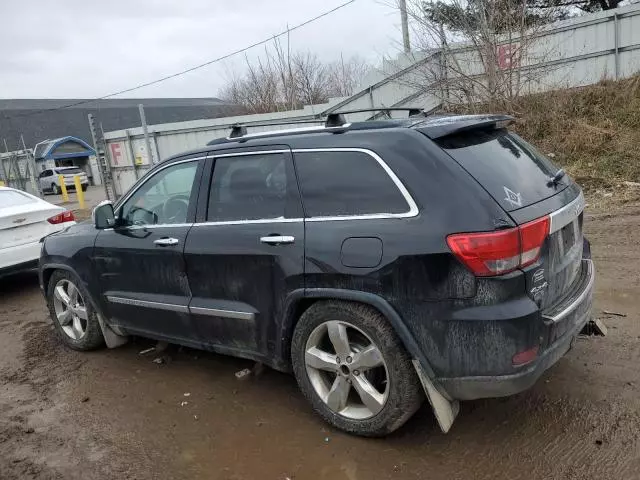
<point>532,236</point>
<point>496,253</point>
<point>525,357</point>
<point>61,218</point>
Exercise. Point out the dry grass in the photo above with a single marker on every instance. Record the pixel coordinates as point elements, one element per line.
<point>593,132</point>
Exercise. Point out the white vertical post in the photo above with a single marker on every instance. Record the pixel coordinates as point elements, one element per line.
<point>402,4</point>
<point>147,142</point>
<point>616,43</point>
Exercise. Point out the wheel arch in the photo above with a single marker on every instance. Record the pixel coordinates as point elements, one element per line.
<point>444,407</point>
<point>112,338</point>
<point>300,300</point>
<point>47,270</point>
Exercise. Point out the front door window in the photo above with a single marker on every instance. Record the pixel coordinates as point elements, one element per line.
<point>163,199</point>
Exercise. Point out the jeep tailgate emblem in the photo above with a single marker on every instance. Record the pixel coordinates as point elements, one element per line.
<point>512,197</point>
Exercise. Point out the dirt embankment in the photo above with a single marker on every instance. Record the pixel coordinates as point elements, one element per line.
<point>592,131</point>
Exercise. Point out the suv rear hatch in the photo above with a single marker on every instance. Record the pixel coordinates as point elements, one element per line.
<point>518,177</point>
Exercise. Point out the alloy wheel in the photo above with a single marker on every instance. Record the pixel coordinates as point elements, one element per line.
<point>347,370</point>
<point>71,311</point>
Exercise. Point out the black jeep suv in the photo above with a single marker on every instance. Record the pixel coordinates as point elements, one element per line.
<point>382,262</point>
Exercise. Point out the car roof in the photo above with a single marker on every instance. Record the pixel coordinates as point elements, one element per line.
<point>433,126</point>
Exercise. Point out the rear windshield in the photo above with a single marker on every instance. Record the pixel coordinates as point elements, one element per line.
<point>11,198</point>
<point>68,171</point>
<point>510,169</point>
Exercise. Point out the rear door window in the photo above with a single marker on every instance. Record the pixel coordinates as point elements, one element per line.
<point>510,169</point>
<point>346,183</point>
<point>252,187</point>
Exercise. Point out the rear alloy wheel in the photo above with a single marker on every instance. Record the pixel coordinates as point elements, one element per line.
<point>72,313</point>
<point>353,369</point>
<point>353,361</point>
<point>54,189</point>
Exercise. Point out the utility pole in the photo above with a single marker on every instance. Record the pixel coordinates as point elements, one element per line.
<point>147,142</point>
<point>402,4</point>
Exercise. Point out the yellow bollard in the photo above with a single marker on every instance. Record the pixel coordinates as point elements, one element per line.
<point>1,183</point>
<point>79,192</point>
<point>63,188</point>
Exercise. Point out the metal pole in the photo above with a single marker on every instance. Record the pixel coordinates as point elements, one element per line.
<point>4,170</point>
<point>101,168</point>
<point>616,42</point>
<point>31,162</point>
<point>132,153</point>
<point>143,120</point>
<point>108,160</point>
<point>402,4</point>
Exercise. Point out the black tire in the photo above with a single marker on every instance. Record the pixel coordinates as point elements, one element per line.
<point>92,338</point>
<point>54,189</point>
<point>405,394</point>
<point>84,188</point>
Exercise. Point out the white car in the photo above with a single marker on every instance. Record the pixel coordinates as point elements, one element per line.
<point>50,179</point>
<point>24,220</point>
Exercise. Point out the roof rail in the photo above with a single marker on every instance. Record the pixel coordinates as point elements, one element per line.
<point>238,131</point>
<point>413,111</point>
<point>335,121</point>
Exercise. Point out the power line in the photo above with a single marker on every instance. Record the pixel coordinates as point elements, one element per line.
<point>188,70</point>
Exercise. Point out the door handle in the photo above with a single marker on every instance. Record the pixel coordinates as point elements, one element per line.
<point>166,242</point>
<point>277,239</point>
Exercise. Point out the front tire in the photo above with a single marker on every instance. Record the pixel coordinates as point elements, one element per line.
<point>72,312</point>
<point>353,369</point>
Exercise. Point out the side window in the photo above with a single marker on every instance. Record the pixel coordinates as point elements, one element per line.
<point>339,183</point>
<point>163,198</point>
<point>252,187</point>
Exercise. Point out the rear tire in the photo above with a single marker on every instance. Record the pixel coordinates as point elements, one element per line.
<point>397,393</point>
<point>72,312</point>
<point>84,188</point>
<point>54,189</point>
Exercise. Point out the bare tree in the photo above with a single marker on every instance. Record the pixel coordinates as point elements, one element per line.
<point>477,52</point>
<point>345,76</point>
<point>280,80</point>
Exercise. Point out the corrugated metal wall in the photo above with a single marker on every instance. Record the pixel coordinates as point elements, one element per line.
<point>571,53</point>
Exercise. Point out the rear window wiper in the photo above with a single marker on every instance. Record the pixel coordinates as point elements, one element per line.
<point>553,181</point>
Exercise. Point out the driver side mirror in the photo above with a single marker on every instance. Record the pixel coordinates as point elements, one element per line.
<point>103,216</point>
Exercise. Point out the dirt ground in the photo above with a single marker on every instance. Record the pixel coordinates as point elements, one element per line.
<point>116,414</point>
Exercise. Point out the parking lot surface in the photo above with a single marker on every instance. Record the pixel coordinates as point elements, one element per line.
<point>117,414</point>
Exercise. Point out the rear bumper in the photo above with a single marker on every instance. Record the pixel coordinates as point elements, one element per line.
<point>562,325</point>
<point>70,184</point>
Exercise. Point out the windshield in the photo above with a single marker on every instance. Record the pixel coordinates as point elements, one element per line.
<point>509,168</point>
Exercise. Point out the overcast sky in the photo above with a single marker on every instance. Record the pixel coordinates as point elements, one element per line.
<point>88,48</point>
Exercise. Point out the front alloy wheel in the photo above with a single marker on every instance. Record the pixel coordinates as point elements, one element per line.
<point>70,309</point>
